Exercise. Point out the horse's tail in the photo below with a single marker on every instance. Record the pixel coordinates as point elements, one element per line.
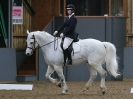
<point>111,59</point>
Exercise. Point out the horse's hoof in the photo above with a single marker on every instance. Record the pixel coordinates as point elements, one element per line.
<point>67,91</point>
<point>59,85</point>
<point>64,92</point>
<point>83,91</point>
<point>103,92</point>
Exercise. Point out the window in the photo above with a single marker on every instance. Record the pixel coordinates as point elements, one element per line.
<point>117,8</point>
<point>98,7</point>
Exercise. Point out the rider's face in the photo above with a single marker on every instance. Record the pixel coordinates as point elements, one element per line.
<point>69,11</point>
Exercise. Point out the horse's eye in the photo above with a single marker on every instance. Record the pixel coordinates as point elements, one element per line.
<point>31,42</point>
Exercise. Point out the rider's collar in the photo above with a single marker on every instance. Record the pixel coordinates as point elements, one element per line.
<point>71,15</point>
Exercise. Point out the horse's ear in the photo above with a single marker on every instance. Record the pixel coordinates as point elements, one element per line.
<point>28,32</point>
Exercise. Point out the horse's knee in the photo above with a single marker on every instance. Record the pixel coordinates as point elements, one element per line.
<point>47,76</point>
<point>103,73</point>
<point>94,74</point>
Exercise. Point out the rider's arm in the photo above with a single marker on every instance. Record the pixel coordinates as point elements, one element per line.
<point>58,31</point>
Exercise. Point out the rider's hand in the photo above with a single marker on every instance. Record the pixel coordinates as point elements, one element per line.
<point>55,32</point>
<point>61,35</point>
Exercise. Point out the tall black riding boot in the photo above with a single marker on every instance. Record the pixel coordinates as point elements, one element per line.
<point>65,56</point>
<point>69,61</point>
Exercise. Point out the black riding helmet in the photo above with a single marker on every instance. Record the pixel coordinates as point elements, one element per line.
<point>71,7</point>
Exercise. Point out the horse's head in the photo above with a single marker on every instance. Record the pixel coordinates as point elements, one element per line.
<point>31,43</point>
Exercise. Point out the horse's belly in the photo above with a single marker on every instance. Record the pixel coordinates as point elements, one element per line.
<point>77,58</point>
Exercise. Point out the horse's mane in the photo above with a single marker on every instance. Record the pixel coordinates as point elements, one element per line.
<point>42,33</point>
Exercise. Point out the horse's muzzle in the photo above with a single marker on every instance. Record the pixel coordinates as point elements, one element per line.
<point>28,54</point>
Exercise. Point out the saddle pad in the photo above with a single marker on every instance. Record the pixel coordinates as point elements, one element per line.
<point>76,47</point>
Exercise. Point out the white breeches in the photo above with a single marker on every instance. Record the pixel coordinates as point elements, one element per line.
<point>67,42</point>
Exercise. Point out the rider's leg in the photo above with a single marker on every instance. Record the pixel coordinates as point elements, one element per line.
<point>67,50</point>
<point>64,53</point>
<point>65,56</point>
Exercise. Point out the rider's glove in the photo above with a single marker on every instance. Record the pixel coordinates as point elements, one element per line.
<point>61,35</point>
<point>55,32</point>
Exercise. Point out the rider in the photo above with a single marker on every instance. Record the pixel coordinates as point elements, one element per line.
<point>68,33</point>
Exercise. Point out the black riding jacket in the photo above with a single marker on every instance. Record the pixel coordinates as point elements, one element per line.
<point>69,27</point>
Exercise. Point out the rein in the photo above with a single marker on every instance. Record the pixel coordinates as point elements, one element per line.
<point>55,39</point>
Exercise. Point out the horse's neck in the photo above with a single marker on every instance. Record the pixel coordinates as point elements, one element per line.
<point>44,38</point>
<point>46,42</point>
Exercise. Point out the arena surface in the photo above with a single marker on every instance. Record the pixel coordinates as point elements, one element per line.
<point>46,90</point>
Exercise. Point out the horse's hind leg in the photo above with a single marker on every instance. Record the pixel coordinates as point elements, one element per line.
<point>93,75</point>
<point>103,74</point>
<point>59,71</point>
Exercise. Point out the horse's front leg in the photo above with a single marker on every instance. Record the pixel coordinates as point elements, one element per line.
<point>50,70</point>
<point>59,70</point>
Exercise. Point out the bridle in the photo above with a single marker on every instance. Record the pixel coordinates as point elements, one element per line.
<point>32,48</point>
<point>40,46</point>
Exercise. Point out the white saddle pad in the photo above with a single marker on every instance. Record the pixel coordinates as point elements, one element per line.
<point>76,47</point>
